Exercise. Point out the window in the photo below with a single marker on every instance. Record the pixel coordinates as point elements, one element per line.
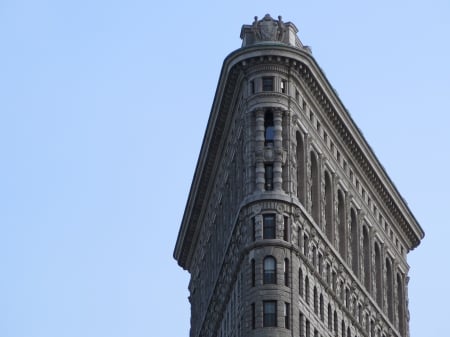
<point>307,289</point>
<point>321,311</point>
<point>378,275</point>
<point>389,290</point>
<point>253,229</point>
<point>297,96</point>
<point>269,313</point>
<point>341,224</point>
<point>300,168</point>
<point>300,282</point>
<point>286,228</point>
<point>286,315</point>
<point>330,318</point>
<point>269,226</point>
<point>268,175</point>
<point>315,188</point>
<point>355,241</point>
<point>252,87</point>
<point>301,323</point>
<point>267,83</point>
<point>316,301</point>
<point>328,207</point>
<point>366,251</point>
<point>284,86</point>
<point>269,130</point>
<point>253,273</point>
<point>305,245</point>
<point>286,272</point>
<point>269,270</point>
<point>253,316</point>
<point>308,329</point>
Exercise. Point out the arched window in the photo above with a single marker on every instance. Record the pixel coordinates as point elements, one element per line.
<point>366,251</point>
<point>286,272</point>
<point>315,188</point>
<point>348,332</point>
<point>316,302</point>
<point>378,275</point>
<point>307,289</point>
<point>389,290</point>
<point>253,273</point>
<point>341,225</point>
<point>269,129</point>
<point>343,328</point>
<point>355,242</point>
<point>401,303</point>
<point>328,207</point>
<point>270,271</point>
<point>300,154</point>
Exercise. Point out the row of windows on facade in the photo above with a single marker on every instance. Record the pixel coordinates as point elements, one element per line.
<point>350,253</point>
<point>270,274</point>
<point>270,319</point>
<point>267,84</point>
<point>270,314</point>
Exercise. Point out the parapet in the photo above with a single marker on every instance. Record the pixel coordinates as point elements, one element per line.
<point>269,30</point>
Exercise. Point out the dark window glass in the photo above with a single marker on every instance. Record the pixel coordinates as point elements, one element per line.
<point>283,86</point>
<point>253,316</point>
<point>286,229</point>
<point>267,83</point>
<point>269,313</point>
<point>268,177</point>
<point>270,270</point>
<point>253,229</point>
<point>269,130</point>
<point>286,272</point>
<point>252,87</point>
<point>286,315</point>
<point>269,226</point>
<point>253,273</point>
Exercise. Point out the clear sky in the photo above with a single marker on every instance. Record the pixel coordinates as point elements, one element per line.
<point>103,106</point>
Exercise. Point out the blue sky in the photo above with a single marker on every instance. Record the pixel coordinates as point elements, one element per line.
<point>103,106</point>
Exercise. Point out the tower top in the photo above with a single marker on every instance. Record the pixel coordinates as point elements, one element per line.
<point>269,30</point>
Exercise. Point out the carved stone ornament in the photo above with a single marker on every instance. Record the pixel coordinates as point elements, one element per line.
<point>268,29</point>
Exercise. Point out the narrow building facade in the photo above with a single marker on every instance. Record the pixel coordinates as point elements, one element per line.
<point>292,227</point>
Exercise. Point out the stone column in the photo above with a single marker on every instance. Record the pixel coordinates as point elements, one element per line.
<point>259,150</point>
<point>278,149</point>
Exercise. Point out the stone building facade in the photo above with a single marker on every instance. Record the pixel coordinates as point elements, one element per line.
<point>292,226</point>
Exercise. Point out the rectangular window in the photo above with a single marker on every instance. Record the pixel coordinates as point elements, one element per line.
<point>269,313</point>
<point>301,324</point>
<point>269,226</point>
<point>253,229</point>
<point>268,186</point>
<point>267,83</point>
<point>253,316</point>
<point>286,229</point>
<point>252,87</point>
<point>307,329</point>
<point>284,86</point>
<point>286,315</point>
<point>297,96</point>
